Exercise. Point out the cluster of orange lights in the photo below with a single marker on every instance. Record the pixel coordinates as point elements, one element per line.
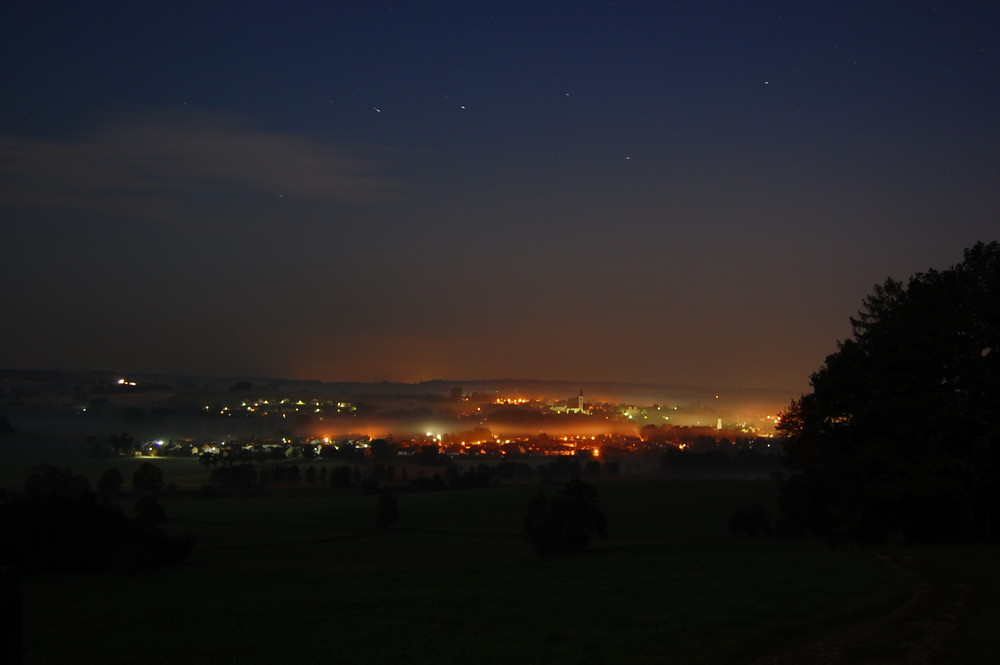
<point>511,400</point>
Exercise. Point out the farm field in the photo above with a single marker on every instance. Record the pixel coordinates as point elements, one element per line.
<point>305,577</point>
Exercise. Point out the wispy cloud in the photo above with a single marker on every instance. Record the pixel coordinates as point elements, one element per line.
<point>134,164</point>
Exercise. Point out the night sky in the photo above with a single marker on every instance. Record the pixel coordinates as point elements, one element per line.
<point>689,192</point>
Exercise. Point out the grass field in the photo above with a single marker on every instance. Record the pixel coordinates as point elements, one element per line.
<point>302,576</point>
<point>305,578</point>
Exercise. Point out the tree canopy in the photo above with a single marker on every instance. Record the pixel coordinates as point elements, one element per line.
<point>899,438</point>
<point>147,478</point>
<point>567,521</point>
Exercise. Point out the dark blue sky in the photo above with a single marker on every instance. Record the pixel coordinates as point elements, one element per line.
<point>687,192</point>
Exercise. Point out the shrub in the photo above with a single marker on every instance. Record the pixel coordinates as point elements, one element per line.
<point>566,522</point>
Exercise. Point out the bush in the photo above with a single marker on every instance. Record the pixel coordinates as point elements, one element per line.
<point>148,509</point>
<point>147,478</point>
<point>110,482</point>
<point>239,477</point>
<point>388,509</point>
<point>567,522</point>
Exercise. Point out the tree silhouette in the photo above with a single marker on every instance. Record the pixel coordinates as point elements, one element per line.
<point>899,438</point>
<point>147,478</point>
<point>340,477</point>
<point>387,510</point>
<point>52,481</point>
<point>110,482</point>
<point>381,448</point>
<point>122,444</point>
<point>567,521</point>
<point>148,509</point>
<point>237,477</point>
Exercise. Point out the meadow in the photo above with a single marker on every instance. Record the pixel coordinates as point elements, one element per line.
<point>302,576</point>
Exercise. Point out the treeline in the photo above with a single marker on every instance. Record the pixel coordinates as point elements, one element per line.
<point>699,437</point>
<point>720,456</point>
<point>370,479</point>
<point>60,524</point>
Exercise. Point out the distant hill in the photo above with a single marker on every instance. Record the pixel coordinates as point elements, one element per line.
<point>627,393</point>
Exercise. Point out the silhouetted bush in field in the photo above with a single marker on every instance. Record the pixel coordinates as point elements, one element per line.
<point>565,523</point>
<point>147,478</point>
<point>340,477</point>
<point>110,483</point>
<point>279,474</point>
<point>433,484</point>
<point>387,510</point>
<point>239,477</point>
<point>148,509</point>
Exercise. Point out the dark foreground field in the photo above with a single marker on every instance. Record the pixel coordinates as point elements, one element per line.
<point>306,578</point>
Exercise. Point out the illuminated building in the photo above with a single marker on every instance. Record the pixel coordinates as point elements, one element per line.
<point>572,405</point>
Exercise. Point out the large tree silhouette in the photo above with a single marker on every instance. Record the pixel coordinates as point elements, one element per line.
<point>898,440</point>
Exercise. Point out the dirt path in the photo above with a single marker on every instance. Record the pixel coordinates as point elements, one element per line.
<point>913,633</point>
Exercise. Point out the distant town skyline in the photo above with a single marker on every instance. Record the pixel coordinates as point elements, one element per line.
<point>692,193</point>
